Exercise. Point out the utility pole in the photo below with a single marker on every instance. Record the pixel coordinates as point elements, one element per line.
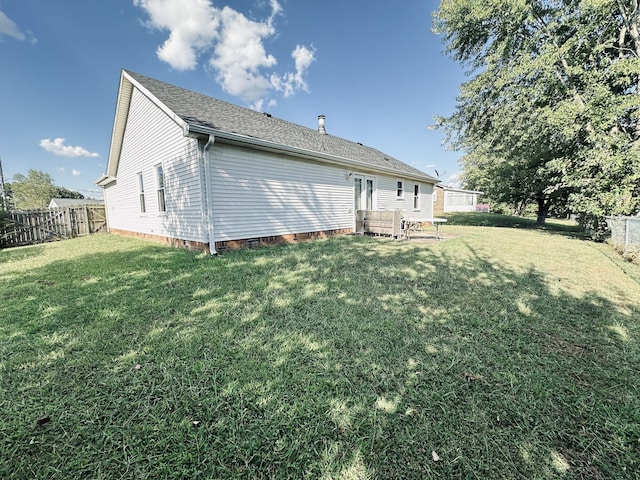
<point>3,195</point>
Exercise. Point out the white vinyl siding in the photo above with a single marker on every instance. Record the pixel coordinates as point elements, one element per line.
<point>258,194</point>
<point>254,193</point>
<point>151,137</point>
<point>386,190</point>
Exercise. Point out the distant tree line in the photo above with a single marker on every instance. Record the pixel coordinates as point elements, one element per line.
<point>550,114</point>
<point>34,191</point>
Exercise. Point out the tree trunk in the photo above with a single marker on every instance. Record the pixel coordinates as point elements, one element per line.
<point>630,25</point>
<point>543,210</point>
<point>519,206</point>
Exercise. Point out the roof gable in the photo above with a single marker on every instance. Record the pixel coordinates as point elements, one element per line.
<point>206,114</point>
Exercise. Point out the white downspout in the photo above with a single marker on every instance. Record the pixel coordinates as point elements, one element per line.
<point>208,193</point>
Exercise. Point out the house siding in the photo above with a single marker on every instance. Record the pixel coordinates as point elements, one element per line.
<point>438,207</point>
<point>426,200</point>
<point>255,194</point>
<point>259,194</point>
<point>388,200</point>
<point>152,138</point>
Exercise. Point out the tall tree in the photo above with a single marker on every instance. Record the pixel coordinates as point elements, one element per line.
<point>36,190</point>
<point>62,192</point>
<point>550,113</point>
<point>32,191</point>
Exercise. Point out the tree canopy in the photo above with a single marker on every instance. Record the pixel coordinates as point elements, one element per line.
<point>550,112</point>
<point>35,190</point>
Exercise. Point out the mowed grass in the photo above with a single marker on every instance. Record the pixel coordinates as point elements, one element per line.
<point>500,354</point>
<point>480,219</point>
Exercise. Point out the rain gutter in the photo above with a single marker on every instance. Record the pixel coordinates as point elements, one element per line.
<point>234,138</point>
<point>208,194</point>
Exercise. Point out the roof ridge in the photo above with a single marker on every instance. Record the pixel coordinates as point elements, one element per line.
<point>202,110</point>
<point>246,109</point>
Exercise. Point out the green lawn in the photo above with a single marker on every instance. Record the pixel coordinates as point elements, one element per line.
<point>497,220</point>
<point>508,353</point>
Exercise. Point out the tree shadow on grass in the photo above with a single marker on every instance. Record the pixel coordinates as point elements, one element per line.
<point>347,358</point>
<point>479,219</point>
<point>20,253</point>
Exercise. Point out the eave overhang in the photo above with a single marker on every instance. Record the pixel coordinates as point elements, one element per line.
<point>125,91</point>
<point>264,145</point>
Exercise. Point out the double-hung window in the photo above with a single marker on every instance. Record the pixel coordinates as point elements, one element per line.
<point>416,196</point>
<point>400,189</point>
<point>143,206</point>
<point>369,184</point>
<point>162,206</point>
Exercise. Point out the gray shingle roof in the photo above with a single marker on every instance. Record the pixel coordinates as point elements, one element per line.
<point>73,202</point>
<point>200,110</point>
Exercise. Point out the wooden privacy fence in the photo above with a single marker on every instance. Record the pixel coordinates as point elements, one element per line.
<point>38,226</point>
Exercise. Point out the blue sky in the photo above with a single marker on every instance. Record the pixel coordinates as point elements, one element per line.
<point>374,69</point>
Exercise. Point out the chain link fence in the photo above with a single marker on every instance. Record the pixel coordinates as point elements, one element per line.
<point>625,233</point>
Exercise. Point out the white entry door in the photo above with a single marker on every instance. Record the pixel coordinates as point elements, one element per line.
<point>363,193</point>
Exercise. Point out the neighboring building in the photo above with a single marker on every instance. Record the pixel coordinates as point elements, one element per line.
<point>192,170</point>
<point>448,199</point>
<point>74,202</point>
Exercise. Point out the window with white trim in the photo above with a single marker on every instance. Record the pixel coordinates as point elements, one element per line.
<point>162,206</point>
<point>459,199</point>
<point>416,196</point>
<point>400,189</point>
<point>369,186</point>
<point>143,206</point>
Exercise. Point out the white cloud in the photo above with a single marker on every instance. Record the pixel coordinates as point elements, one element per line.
<point>276,9</point>
<point>192,24</point>
<point>290,82</point>
<point>233,43</point>
<point>9,27</point>
<point>75,172</point>
<point>239,55</point>
<point>57,147</point>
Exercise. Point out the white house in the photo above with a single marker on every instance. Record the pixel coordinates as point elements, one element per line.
<point>449,199</point>
<point>195,171</point>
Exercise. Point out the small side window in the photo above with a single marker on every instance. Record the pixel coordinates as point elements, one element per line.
<point>416,196</point>
<point>143,206</point>
<point>400,189</point>
<point>162,206</point>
